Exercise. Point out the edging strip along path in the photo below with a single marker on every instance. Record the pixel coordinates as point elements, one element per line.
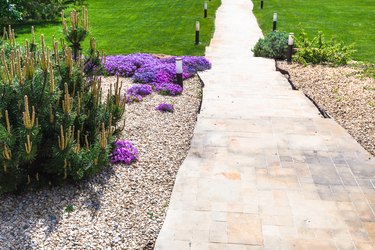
<point>265,170</point>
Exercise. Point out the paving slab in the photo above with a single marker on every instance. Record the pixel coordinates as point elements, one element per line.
<point>265,169</point>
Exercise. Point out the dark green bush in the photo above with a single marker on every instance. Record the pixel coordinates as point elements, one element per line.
<point>320,50</point>
<point>21,11</point>
<point>53,125</point>
<point>274,45</point>
<point>10,12</point>
<point>40,10</point>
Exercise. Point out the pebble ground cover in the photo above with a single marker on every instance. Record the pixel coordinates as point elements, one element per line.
<point>123,27</point>
<point>348,20</point>
<point>124,206</point>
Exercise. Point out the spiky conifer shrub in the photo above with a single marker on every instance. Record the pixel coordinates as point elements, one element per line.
<point>54,125</point>
<point>77,31</point>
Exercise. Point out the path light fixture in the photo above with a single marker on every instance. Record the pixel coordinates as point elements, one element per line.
<point>290,47</point>
<point>261,4</point>
<point>179,71</point>
<point>197,29</point>
<point>205,9</point>
<point>274,21</point>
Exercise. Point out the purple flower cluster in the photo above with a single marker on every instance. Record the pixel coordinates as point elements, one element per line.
<point>191,64</point>
<point>124,152</point>
<point>126,65</point>
<point>160,73</point>
<point>165,107</point>
<point>168,88</point>
<point>137,91</point>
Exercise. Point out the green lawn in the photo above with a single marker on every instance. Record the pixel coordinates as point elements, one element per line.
<point>127,26</point>
<point>352,21</point>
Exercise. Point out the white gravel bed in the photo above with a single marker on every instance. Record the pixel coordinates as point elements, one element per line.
<point>123,207</point>
<point>347,96</point>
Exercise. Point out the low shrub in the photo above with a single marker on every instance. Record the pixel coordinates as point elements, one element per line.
<point>274,45</point>
<point>10,12</point>
<point>319,50</point>
<point>22,11</point>
<point>41,10</point>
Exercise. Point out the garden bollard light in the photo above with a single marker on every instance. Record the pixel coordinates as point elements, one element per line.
<point>261,4</point>
<point>290,47</point>
<point>197,28</point>
<point>179,71</point>
<point>274,21</point>
<point>205,10</point>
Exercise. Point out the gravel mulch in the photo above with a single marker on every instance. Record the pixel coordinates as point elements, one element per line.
<point>123,207</point>
<point>344,93</point>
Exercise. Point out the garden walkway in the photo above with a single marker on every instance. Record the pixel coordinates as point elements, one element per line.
<point>265,170</point>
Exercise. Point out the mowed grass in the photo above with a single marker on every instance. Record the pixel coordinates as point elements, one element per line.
<point>147,26</point>
<point>351,21</point>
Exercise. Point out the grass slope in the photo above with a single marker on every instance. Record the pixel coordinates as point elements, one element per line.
<point>350,20</point>
<point>127,26</point>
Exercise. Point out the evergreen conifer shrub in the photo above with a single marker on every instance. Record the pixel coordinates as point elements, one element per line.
<point>55,125</point>
<point>274,45</point>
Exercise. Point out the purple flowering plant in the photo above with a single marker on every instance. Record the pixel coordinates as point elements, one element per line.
<point>160,73</point>
<point>165,107</point>
<point>124,152</point>
<point>137,91</point>
<point>168,88</point>
<point>126,65</point>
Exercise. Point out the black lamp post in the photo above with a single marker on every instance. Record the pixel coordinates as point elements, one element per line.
<point>274,21</point>
<point>179,71</point>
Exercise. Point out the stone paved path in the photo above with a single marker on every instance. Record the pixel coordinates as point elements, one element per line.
<point>265,170</point>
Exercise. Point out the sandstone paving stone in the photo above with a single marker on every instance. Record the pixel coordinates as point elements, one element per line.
<point>364,245</point>
<point>267,171</point>
<point>288,231</point>
<point>313,244</point>
<point>370,227</point>
<point>244,229</point>
<point>201,236</point>
<point>364,211</point>
<point>174,244</point>
<point>358,232</point>
<point>218,232</point>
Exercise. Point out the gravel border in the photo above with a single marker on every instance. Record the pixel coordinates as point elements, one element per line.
<point>123,207</point>
<point>344,93</point>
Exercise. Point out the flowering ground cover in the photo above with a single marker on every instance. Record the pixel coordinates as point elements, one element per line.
<point>124,152</point>
<point>150,73</point>
<point>153,73</point>
<point>165,107</point>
